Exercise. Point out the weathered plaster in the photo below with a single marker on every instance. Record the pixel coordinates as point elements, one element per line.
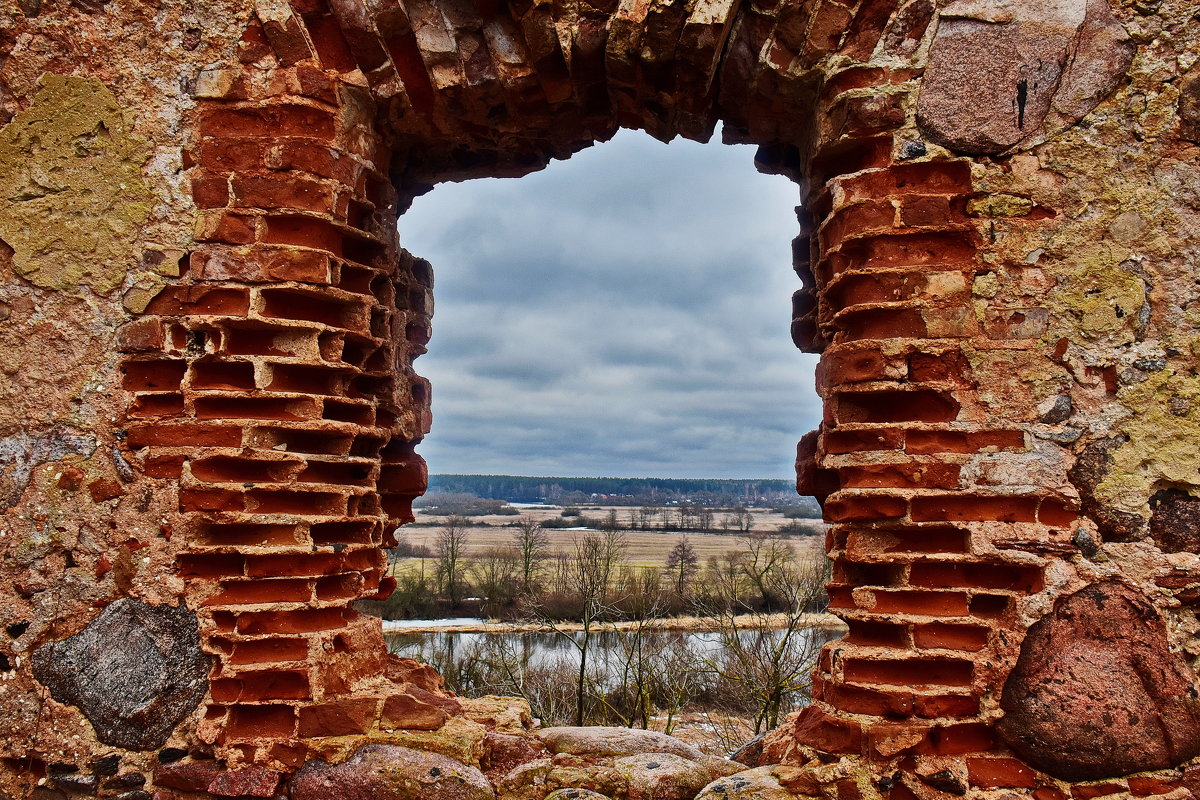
<point>71,187</point>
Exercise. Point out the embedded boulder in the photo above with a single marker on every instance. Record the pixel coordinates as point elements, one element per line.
<point>135,672</point>
<point>1005,73</point>
<point>759,783</point>
<point>390,772</point>
<point>1097,692</point>
<point>662,776</point>
<point>601,741</point>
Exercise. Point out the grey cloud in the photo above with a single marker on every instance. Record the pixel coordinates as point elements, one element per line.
<point>625,313</point>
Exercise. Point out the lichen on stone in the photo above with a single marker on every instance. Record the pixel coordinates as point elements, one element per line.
<point>1161,447</point>
<point>72,195</point>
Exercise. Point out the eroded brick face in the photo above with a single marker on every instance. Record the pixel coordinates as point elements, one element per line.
<point>1002,296</point>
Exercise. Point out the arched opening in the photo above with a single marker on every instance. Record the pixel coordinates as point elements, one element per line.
<point>624,313</point>
<point>620,315</point>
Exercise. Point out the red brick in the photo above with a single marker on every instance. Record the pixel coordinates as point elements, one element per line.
<point>163,466</point>
<point>289,192</point>
<point>210,565</point>
<point>265,721</point>
<point>883,323</point>
<point>279,590</point>
<point>1055,512</point>
<point>914,539</point>
<point>182,435</point>
<point>1089,791</point>
<point>926,211</point>
<point>840,440</point>
<point>920,405</point>
<point>816,728</point>
<point>928,603</point>
<point>226,228</point>
<point>945,574</point>
<point>933,442</point>
<point>288,622</point>
<point>877,634</point>
<point>857,219</point>
<point>953,740</point>
<point>936,508</point>
<point>900,476</point>
<point>945,705</point>
<point>1147,786</point>
<point>102,490</point>
<point>264,651</point>
<point>345,718</point>
<point>192,499</point>
<point>865,507</point>
<point>931,177</point>
<point>969,638</point>
<point>210,191</point>
<point>947,366</point>
<point>860,700</point>
<point>141,335</point>
<point>851,365</point>
<point>268,121</point>
<point>224,156</point>
<point>293,564</point>
<point>909,672</point>
<point>1000,773</point>
<point>200,301</point>
<point>261,265</point>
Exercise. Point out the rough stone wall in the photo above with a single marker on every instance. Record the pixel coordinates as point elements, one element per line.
<point>209,415</point>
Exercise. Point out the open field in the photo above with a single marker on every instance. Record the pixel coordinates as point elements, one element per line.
<point>642,548</point>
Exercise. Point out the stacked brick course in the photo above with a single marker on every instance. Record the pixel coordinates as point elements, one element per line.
<point>996,276</point>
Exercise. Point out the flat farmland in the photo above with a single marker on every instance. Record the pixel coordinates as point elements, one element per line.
<point>642,548</point>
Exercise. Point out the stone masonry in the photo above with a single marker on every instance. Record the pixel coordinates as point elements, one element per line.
<point>209,417</point>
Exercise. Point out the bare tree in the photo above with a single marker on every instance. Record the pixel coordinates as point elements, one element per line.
<point>766,659</point>
<point>682,564</point>
<point>494,575</point>
<point>450,552</point>
<point>533,546</point>
<point>590,566</point>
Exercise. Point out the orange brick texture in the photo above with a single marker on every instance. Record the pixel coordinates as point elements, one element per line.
<point>271,382</point>
<point>1012,534</point>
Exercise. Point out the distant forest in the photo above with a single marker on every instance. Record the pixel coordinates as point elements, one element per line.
<point>621,491</point>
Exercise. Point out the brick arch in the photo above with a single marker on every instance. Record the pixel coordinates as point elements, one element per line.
<point>273,384</point>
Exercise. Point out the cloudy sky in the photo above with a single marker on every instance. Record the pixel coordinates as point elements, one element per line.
<point>624,313</point>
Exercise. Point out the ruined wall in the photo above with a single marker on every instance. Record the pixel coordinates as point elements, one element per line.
<point>209,416</point>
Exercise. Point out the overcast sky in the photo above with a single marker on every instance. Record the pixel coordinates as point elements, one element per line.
<point>624,313</point>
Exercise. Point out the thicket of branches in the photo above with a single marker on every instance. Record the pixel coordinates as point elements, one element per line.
<point>756,603</point>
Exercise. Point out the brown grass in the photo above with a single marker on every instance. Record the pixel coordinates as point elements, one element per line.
<point>642,548</point>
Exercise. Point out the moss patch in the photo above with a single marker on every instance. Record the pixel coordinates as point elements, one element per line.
<point>1104,299</point>
<point>1162,444</point>
<point>72,197</point>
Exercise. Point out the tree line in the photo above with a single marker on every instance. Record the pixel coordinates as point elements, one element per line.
<point>621,491</point>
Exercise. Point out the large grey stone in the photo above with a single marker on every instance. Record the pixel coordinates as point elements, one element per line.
<point>390,772</point>
<point>759,783</point>
<point>662,776</point>
<point>135,672</point>
<point>601,741</point>
<point>1004,74</point>
<point>1097,691</point>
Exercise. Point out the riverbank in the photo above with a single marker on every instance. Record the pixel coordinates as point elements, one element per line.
<point>692,624</point>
